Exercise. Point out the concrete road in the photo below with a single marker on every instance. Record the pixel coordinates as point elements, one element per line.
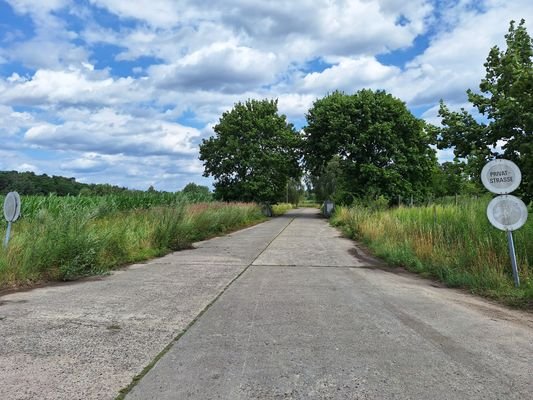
<point>89,339</point>
<point>314,318</point>
<point>302,314</point>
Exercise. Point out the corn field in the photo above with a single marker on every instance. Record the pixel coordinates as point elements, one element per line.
<point>54,205</point>
<point>64,238</point>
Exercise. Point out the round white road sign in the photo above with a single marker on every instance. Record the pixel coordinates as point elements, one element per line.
<point>12,206</point>
<point>501,176</point>
<point>507,213</point>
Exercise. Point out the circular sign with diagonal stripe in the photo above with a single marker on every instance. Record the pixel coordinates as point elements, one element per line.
<point>12,206</point>
<point>507,213</point>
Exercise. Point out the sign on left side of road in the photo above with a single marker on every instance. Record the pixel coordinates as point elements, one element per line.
<point>12,207</point>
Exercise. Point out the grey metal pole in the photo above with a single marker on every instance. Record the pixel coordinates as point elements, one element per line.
<point>512,254</point>
<point>8,233</point>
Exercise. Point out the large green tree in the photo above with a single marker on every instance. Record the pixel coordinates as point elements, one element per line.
<point>253,154</point>
<point>377,145</point>
<point>506,102</point>
<point>452,178</point>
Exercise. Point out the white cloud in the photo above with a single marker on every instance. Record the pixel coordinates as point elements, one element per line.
<point>162,13</point>
<point>71,86</point>
<point>452,63</point>
<point>105,98</point>
<point>11,121</point>
<point>108,132</point>
<point>52,43</point>
<point>47,53</point>
<point>454,60</point>
<point>24,167</point>
<point>349,75</point>
<point>219,67</point>
<point>295,105</point>
<point>40,7</point>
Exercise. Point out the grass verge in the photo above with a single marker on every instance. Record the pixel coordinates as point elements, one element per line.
<point>455,244</point>
<point>77,244</point>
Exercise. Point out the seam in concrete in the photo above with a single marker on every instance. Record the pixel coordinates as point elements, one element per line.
<point>137,378</point>
<point>316,266</point>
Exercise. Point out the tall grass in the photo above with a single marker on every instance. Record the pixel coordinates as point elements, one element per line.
<point>281,208</point>
<point>64,243</point>
<point>455,244</point>
<point>58,205</point>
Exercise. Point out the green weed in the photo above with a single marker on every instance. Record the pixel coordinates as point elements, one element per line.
<point>64,242</point>
<point>453,243</point>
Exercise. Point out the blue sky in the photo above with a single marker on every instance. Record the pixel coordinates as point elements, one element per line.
<point>122,92</point>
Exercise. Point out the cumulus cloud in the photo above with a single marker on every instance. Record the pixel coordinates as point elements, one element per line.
<point>162,13</point>
<point>12,122</point>
<point>349,74</point>
<point>223,67</point>
<point>53,43</point>
<point>295,105</point>
<point>123,92</point>
<point>108,132</point>
<point>69,87</point>
<point>84,164</point>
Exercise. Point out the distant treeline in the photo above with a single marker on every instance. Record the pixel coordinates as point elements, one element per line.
<point>28,183</point>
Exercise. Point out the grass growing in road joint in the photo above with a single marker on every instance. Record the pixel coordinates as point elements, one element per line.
<point>86,241</point>
<point>455,244</point>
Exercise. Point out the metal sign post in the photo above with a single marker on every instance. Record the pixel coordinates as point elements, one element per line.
<point>11,212</point>
<point>505,212</point>
<point>8,234</point>
<point>510,242</point>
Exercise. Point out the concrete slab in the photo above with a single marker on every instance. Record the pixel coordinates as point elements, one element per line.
<point>88,339</point>
<point>311,332</point>
<point>311,241</point>
<point>331,333</point>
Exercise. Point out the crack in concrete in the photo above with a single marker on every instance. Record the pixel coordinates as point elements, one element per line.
<point>124,392</point>
<point>316,266</point>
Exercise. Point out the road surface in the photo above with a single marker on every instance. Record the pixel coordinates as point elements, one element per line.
<point>310,319</point>
<point>284,310</point>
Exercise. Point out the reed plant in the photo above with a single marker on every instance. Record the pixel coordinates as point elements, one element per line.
<point>453,243</point>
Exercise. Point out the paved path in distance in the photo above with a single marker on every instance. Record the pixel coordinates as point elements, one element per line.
<point>313,317</point>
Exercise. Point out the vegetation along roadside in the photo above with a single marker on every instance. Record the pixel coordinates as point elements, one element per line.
<point>64,238</point>
<point>453,243</point>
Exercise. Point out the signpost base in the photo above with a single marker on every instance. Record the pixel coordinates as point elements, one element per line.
<point>8,233</point>
<point>513,258</point>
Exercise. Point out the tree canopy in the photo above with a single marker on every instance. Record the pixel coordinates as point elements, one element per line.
<point>506,101</point>
<point>253,154</point>
<point>377,146</point>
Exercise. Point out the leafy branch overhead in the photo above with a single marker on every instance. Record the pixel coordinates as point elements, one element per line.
<point>506,101</point>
